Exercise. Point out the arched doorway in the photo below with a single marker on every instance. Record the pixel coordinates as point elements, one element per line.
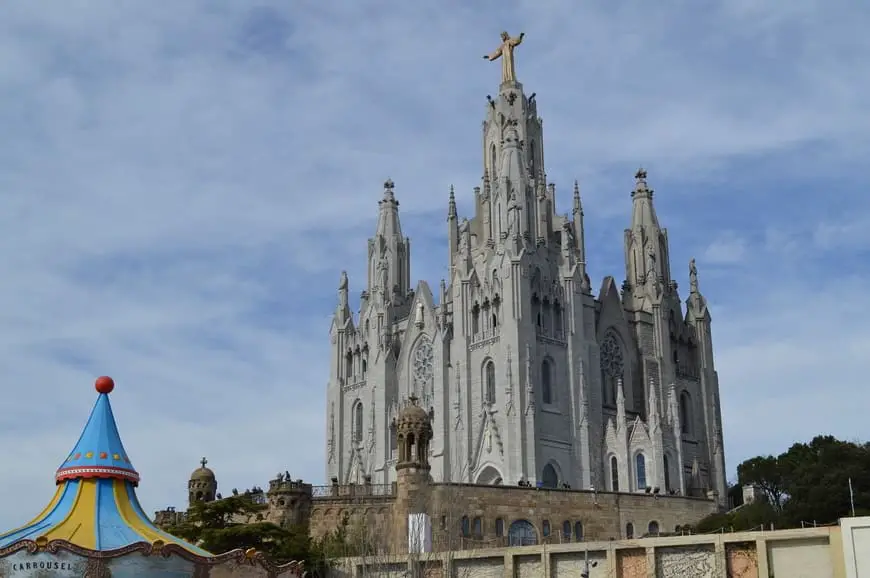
<point>549,477</point>
<point>522,533</point>
<point>489,476</point>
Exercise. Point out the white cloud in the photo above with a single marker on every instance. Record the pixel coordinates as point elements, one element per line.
<point>728,248</point>
<point>181,187</point>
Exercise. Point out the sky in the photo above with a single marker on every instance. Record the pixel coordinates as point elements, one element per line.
<point>182,182</point>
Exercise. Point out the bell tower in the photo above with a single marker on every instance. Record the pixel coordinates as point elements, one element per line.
<point>202,486</point>
<point>413,435</point>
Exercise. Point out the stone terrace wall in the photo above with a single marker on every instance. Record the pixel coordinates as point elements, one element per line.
<point>601,515</point>
<point>804,553</point>
<point>367,505</point>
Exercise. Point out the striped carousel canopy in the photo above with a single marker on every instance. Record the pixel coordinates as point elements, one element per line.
<point>95,506</point>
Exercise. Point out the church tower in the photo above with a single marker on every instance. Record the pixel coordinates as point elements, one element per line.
<point>522,312</point>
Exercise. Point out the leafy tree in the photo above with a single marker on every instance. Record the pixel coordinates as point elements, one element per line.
<point>817,477</point>
<point>220,526</point>
<point>808,484</point>
<point>766,472</point>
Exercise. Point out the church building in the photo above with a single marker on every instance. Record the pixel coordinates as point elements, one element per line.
<point>527,376</point>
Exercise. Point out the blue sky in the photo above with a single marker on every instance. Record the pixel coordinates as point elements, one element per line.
<point>183,182</point>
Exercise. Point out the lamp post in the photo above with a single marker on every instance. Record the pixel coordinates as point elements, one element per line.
<point>587,565</point>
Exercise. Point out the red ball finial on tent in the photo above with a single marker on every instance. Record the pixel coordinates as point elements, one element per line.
<point>104,384</point>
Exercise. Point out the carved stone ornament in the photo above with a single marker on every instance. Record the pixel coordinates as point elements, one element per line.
<point>423,369</point>
<point>612,361</point>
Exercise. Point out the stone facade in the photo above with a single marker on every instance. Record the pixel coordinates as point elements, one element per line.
<point>525,374</point>
<point>462,516</point>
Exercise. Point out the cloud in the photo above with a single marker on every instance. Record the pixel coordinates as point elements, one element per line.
<point>181,187</point>
<point>728,248</point>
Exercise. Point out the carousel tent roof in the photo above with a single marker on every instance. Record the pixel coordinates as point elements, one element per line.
<point>95,505</point>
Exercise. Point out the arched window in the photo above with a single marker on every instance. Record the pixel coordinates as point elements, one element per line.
<point>522,533</point>
<point>533,163</point>
<point>490,382</point>
<point>578,531</point>
<point>557,320</point>
<point>499,527</point>
<point>685,413</point>
<point>348,367</point>
<point>475,319</point>
<point>614,474</point>
<point>545,528</point>
<point>629,531</point>
<point>549,478</point>
<point>547,381</point>
<point>492,161</point>
<point>358,422</point>
<point>566,530</point>
<point>466,528</point>
<point>365,367</point>
<point>667,468</point>
<point>640,471</point>
<point>478,527</point>
<point>653,528</point>
<point>612,367</point>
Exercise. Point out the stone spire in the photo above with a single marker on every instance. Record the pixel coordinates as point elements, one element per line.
<point>580,237</point>
<point>452,230</point>
<point>389,251</point>
<point>647,262</point>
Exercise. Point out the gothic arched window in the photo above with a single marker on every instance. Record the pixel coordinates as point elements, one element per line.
<point>489,376</point>
<point>685,413</point>
<point>614,474</point>
<point>612,367</point>
<point>358,422</point>
<point>549,477</point>
<point>547,382</point>
<point>667,468</point>
<point>492,161</point>
<point>640,471</point>
<point>629,530</point>
<point>653,528</point>
<point>578,531</point>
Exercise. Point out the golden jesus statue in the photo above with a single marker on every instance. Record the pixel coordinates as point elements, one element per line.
<point>506,52</point>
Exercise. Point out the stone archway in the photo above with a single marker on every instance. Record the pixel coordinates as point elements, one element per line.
<point>489,476</point>
<point>522,533</point>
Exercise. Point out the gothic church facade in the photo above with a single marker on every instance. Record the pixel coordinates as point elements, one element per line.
<point>527,376</point>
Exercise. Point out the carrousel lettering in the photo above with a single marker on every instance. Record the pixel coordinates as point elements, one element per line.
<point>41,565</point>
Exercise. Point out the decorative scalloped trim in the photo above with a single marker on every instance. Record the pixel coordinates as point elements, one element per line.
<point>96,472</point>
<point>157,548</point>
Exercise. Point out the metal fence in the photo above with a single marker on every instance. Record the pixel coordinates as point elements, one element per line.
<point>352,491</point>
